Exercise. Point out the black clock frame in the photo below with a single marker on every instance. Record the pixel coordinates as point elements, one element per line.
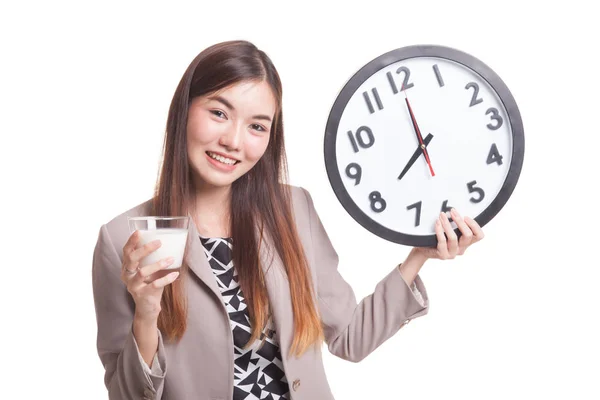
<point>383,61</point>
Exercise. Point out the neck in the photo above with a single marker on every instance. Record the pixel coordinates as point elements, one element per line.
<point>211,213</point>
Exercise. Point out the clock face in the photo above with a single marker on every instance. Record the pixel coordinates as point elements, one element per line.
<point>418,131</point>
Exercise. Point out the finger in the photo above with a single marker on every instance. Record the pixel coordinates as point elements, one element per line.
<point>442,246</point>
<point>164,281</point>
<point>144,273</point>
<point>475,228</point>
<point>129,268</point>
<point>450,234</point>
<point>131,243</point>
<point>466,233</point>
<point>127,273</point>
<point>144,250</point>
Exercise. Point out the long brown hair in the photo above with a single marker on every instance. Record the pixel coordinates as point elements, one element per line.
<point>259,198</point>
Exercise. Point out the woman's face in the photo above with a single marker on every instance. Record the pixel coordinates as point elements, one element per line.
<point>228,132</point>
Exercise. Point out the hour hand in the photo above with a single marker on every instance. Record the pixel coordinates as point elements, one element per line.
<point>415,156</point>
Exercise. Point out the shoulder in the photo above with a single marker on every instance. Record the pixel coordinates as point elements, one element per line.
<point>299,195</point>
<point>117,229</point>
<point>302,208</point>
<point>310,228</point>
<point>301,199</point>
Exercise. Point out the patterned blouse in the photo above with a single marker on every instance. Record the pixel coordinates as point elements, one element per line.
<point>257,373</point>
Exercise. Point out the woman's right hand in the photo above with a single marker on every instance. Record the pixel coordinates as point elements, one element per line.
<point>146,284</point>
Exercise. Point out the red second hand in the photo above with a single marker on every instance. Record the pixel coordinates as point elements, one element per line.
<point>425,152</point>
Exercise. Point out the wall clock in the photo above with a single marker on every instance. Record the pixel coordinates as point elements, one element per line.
<point>417,131</point>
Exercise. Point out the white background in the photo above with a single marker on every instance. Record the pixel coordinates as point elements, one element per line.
<point>84,93</point>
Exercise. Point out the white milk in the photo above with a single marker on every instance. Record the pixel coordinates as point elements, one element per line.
<point>173,242</point>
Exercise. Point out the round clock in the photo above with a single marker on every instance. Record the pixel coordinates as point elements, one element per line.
<point>417,131</point>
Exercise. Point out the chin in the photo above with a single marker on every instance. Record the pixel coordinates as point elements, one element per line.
<point>219,179</point>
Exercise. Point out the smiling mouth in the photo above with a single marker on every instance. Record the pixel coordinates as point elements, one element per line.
<point>224,160</point>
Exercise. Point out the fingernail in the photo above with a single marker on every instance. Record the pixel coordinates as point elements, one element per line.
<point>174,276</point>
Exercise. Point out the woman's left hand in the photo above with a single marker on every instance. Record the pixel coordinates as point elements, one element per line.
<point>449,246</point>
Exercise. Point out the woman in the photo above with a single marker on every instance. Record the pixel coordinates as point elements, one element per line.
<point>259,290</point>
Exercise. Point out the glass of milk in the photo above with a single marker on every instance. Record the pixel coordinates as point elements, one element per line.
<point>172,233</point>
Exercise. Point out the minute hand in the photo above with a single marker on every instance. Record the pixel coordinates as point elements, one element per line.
<point>418,133</point>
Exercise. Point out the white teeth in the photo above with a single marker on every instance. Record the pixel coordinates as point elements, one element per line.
<point>224,160</point>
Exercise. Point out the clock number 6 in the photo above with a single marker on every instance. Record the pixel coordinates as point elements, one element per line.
<point>359,140</point>
<point>354,175</point>
<point>377,203</point>
<point>446,208</point>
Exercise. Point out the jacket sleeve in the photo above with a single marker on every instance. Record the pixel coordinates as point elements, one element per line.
<point>353,330</point>
<point>126,374</point>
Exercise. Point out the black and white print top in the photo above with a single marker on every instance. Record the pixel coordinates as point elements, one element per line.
<point>257,373</point>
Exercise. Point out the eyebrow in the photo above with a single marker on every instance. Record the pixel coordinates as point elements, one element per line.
<point>227,104</point>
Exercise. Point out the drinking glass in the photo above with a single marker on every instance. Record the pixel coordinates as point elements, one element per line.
<point>172,233</point>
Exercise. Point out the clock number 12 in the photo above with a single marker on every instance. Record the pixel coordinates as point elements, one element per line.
<point>405,83</point>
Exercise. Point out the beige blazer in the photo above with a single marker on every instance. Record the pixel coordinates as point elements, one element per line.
<point>200,366</point>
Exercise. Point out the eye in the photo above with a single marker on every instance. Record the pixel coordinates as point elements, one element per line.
<point>218,113</point>
<point>258,127</point>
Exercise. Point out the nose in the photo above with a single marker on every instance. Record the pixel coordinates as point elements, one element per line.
<point>232,137</point>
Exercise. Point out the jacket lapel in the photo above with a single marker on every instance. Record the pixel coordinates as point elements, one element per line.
<point>197,261</point>
<point>279,294</point>
<point>275,280</point>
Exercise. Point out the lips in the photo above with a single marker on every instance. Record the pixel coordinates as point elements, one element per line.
<point>225,156</point>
